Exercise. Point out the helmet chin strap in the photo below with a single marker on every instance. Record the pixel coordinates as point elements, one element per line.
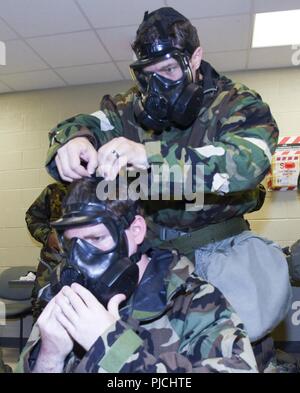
<point>136,257</point>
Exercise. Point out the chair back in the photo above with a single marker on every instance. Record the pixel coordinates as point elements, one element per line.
<point>15,292</point>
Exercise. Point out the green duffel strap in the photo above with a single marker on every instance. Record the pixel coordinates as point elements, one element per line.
<point>187,243</point>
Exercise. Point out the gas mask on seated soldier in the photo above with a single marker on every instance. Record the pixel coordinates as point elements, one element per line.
<point>104,272</point>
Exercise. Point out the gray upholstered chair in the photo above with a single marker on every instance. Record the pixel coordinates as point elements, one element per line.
<point>16,295</point>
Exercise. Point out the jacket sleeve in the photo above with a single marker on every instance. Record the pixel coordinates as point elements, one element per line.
<point>29,353</point>
<point>213,340</point>
<point>240,156</point>
<point>99,128</point>
<point>37,217</point>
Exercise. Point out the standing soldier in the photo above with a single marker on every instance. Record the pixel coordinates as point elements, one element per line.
<point>46,208</point>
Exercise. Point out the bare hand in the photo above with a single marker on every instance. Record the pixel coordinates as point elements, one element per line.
<point>69,156</point>
<point>56,343</point>
<point>83,316</point>
<point>117,154</point>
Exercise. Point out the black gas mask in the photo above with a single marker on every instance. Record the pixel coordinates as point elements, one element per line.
<point>105,271</point>
<point>165,102</point>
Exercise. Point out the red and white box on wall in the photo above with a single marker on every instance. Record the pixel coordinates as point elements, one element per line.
<point>285,166</point>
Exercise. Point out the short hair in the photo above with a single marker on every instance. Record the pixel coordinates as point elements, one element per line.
<point>85,191</point>
<point>181,33</point>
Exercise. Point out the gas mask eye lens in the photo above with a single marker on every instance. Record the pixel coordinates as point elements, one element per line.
<point>172,71</point>
<point>103,241</point>
<point>99,236</point>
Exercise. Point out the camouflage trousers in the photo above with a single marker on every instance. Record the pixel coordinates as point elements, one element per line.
<point>4,368</point>
<point>264,352</point>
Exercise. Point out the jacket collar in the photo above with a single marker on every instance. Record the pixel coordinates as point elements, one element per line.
<point>210,77</point>
<point>166,276</point>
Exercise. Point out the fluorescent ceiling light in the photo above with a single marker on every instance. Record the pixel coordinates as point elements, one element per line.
<point>276,29</point>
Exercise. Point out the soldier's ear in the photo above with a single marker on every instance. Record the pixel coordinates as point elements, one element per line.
<point>196,58</point>
<point>137,230</point>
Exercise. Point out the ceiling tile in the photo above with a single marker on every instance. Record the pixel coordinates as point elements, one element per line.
<point>119,12</point>
<point>20,57</point>
<point>33,80</point>
<point>54,29</point>
<point>227,61</point>
<point>96,73</point>
<point>35,17</point>
<point>70,49</point>
<point>202,9</point>
<point>4,88</point>
<point>224,33</point>
<point>275,5</point>
<point>5,32</point>
<point>124,68</point>
<point>118,41</point>
<point>270,57</point>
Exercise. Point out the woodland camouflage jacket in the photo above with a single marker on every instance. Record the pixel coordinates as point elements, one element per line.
<point>174,322</point>
<point>233,139</point>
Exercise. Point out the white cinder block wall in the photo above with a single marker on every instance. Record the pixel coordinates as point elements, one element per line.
<point>279,218</point>
<point>26,117</point>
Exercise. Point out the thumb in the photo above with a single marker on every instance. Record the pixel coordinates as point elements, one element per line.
<point>113,305</point>
<point>89,155</point>
<point>47,311</point>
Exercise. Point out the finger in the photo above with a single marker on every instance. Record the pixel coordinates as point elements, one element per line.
<point>114,303</point>
<point>91,157</point>
<point>105,170</point>
<point>105,155</point>
<point>63,320</point>
<point>47,311</point>
<point>114,158</point>
<point>75,154</point>
<point>135,153</point>
<point>102,155</point>
<point>75,300</point>
<point>88,298</point>
<point>63,302</point>
<point>116,168</point>
<point>60,170</point>
<point>111,156</point>
<point>65,164</point>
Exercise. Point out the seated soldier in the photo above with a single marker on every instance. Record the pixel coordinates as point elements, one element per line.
<point>128,311</point>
